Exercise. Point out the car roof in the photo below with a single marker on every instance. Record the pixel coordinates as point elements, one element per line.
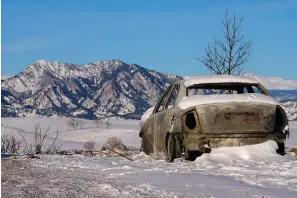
<point>196,80</point>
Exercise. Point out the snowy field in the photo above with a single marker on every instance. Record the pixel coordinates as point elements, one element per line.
<point>73,139</point>
<point>249,171</point>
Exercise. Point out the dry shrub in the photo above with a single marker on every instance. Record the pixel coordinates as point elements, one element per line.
<point>107,124</point>
<point>99,123</point>
<point>75,123</point>
<point>115,143</point>
<point>10,144</point>
<point>89,145</point>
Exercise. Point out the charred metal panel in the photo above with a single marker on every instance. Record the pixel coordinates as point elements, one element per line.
<point>237,118</point>
<point>195,142</point>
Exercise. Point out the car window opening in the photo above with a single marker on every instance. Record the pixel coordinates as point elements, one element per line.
<point>190,121</point>
<point>173,96</point>
<point>232,88</point>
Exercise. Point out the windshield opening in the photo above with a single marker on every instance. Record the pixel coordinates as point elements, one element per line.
<point>225,88</point>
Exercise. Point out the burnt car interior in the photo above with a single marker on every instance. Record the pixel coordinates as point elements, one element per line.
<point>225,88</point>
<point>190,121</point>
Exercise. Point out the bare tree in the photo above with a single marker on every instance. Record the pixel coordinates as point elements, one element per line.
<point>230,55</point>
<point>39,137</point>
<point>81,123</point>
<point>28,147</point>
<point>99,123</point>
<point>75,123</point>
<point>89,145</point>
<point>53,148</point>
<point>107,124</point>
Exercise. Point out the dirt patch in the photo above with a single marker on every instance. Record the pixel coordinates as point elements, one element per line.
<point>21,179</point>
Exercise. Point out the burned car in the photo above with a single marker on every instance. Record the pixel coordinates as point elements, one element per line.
<point>197,114</point>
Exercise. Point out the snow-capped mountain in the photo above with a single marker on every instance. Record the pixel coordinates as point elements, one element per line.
<point>274,83</point>
<point>290,106</point>
<point>109,89</point>
<point>284,91</point>
<point>106,89</point>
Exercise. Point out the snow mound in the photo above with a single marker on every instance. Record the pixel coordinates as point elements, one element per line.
<point>265,151</point>
<point>141,155</point>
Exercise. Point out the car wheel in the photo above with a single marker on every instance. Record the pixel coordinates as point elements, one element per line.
<point>281,148</point>
<point>170,149</point>
<point>192,155</point>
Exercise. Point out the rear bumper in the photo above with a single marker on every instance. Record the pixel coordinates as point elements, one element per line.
<point>200,140</point>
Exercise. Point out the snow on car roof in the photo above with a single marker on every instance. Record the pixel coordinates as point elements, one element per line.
<point>226,98</point>
<point>194,80</point>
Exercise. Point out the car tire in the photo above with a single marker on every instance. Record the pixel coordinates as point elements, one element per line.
<point>192,155</point>
<point>281,148</point>
<point>170,148</point>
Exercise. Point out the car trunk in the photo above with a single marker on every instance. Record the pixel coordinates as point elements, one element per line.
<point>236,117</point>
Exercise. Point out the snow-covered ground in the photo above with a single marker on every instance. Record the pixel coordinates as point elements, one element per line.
<point>248,171</point>
<point>70,139</point>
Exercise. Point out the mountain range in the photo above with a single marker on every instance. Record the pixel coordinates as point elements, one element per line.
<point>108,89</point>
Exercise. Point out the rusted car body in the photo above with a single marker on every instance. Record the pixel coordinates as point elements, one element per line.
<point>200,113</point>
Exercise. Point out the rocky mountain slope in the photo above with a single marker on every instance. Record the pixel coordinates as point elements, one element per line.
<point>288,100</point>
<point>109,89</point>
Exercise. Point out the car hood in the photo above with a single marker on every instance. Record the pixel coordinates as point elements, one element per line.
<point>226,98</point>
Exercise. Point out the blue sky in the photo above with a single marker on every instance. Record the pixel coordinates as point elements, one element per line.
<point>160,35</point>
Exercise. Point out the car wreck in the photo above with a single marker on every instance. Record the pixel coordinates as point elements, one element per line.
<point>199,113</point>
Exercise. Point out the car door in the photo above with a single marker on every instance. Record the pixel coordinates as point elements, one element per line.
<point>152,124</point>
<point>164,119</point>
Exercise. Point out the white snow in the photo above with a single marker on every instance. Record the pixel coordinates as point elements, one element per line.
<point>250,152</point>
<point>246,171</point>
<point>292,141</point>
<point>195,80</point>
<point>70,139</point>
<point>225,98</point>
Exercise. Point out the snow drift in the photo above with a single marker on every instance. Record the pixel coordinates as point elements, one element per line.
<point>264,151</point>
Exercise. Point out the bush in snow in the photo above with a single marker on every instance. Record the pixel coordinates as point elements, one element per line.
<point>39,137</point>
<point>10,144</point>
<point>75,123</point>
<point>107,124</point>
<point>99,123</point>
<point>89,145</point>
<point>115,143</point>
